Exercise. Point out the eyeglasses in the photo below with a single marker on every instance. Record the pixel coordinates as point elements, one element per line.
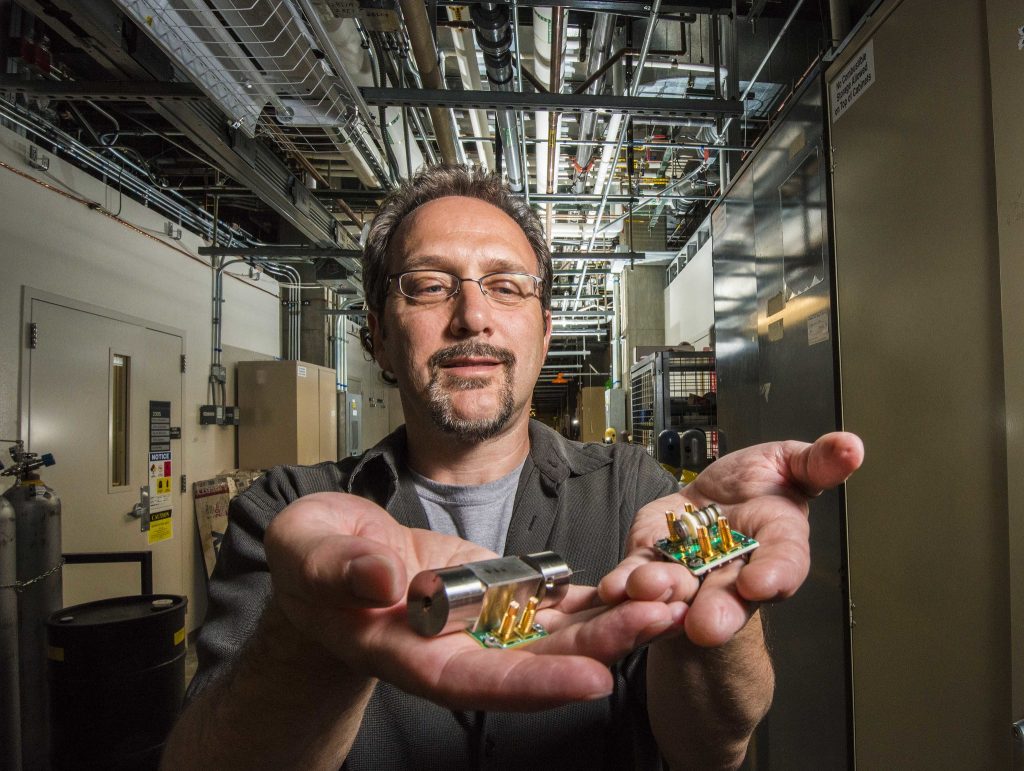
<point>433,286</point>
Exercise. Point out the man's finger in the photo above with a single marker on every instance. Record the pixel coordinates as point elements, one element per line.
<point>826,463</point>
<point>609,635</point>
<point>718,612</point>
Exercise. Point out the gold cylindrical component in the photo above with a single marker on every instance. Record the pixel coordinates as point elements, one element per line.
<point>525,625</point>
<point>725,536</point>
<point>670,518</point>
<point>504,633</point>
<point>704,540</point>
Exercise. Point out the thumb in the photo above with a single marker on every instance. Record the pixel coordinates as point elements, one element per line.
<point>826,463</point>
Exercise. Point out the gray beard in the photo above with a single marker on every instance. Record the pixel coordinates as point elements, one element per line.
<point>439,396</point>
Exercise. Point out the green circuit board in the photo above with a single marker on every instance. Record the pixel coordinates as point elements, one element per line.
<point>688,551</point>
<point>490,639</point>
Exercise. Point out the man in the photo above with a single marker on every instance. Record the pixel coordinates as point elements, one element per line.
<point>323,669</point>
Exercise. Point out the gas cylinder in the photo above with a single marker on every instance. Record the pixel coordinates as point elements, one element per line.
<point>39,592</point>
<point>10,701</point>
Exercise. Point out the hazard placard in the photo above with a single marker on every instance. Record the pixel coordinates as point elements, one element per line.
<point>161,526</point>
<point>160,481</point>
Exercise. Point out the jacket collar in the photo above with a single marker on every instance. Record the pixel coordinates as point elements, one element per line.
<point>556,457</point>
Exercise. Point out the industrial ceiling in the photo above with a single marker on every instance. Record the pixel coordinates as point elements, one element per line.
<point>273,127</point>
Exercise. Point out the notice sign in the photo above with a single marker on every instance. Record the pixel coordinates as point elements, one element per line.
<point>855,78</point>
<point>159,481</point>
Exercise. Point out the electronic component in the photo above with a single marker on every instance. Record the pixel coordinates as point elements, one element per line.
<point>702,540</point>
<point>495,601</point>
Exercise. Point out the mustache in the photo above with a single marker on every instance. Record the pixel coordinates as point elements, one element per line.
<point>471,349</point>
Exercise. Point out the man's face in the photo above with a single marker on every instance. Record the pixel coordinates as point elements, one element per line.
<point>468,363</point>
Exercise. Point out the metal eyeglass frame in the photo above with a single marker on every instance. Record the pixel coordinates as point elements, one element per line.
<point>396,278</point>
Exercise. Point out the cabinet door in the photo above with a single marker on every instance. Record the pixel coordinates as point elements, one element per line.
<point>328,400</point>
<point>307,406</point>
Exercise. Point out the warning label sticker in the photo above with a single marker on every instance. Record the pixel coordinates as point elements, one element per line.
<point>161,526</point>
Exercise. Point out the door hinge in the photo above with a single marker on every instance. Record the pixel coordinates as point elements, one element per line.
<point>184,484</point>
<point>184,362</point>
<point>33,335</point>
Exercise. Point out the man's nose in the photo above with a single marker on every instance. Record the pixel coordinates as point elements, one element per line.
<point>471,311</point>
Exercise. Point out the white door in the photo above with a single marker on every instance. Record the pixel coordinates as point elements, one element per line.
<point>103,394</point>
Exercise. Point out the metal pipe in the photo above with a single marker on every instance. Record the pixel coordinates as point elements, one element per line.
<point>654,144</point>
<point>494,36</point>
<point>555,87</point>
<point>655,198</point>
<point>631,90</point>
<point>520,118</point>
<point>655,6</point>
<point>616,343</point>
<point>423,49</point>
<point>764,62</point>
<point>604,25</point>
<point>592,198</point>
<point>839,17</point>
<point>412,77</point>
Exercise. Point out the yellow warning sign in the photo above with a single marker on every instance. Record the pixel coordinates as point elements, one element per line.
<point>179,636</point>
<point>161,526</point>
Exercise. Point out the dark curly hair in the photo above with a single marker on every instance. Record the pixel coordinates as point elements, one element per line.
<point>429,184</point>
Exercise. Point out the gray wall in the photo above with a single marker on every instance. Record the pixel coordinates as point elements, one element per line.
<point>921,348</point>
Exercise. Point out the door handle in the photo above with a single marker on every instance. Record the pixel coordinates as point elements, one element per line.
<point>141,509</point>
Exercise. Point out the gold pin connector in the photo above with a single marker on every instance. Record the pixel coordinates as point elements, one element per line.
<point>704,540</point>
<point>725,536</point>
<point>507,626</point>
<point>670,518</point>
<point>688,507</point>
<point>525,625</point>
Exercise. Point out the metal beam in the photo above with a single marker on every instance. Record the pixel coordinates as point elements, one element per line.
<point>278,253</point>
<point>118,90</point>
<point>656,106</point>
<point>588,198</point>
<point>622,7</point>
<point>630,256</point>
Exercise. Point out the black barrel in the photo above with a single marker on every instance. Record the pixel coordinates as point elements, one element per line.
<point>117,680</point>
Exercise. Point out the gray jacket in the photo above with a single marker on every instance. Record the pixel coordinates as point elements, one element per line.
<point>575,499</point>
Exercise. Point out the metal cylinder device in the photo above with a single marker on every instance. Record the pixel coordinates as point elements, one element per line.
<point>39,593</point>
<point>10,693</point>
<point>477,595</point>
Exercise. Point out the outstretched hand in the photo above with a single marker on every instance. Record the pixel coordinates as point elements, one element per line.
<point>764,492</point>
<point>341,568</point>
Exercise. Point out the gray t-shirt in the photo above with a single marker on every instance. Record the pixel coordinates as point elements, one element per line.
<point>477,513</point>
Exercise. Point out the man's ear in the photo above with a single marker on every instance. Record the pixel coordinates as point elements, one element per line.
<point>377,336</point>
